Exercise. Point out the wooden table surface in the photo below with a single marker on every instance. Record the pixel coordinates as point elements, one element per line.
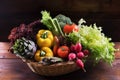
<point>13,68</point>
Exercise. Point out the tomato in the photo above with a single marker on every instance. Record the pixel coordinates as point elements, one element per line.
<point>63,51</point>
<point>70,27</point>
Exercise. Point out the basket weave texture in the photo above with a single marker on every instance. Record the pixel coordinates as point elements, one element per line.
<point>56,69</point>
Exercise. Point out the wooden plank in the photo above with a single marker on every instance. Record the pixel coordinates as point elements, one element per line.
<point>4,53</point>
<point>117,53</point>
<point>16,69</point>
<point>4,46</point>
<point>7,55</point>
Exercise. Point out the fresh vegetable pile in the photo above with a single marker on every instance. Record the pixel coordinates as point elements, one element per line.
<point>61,40</point>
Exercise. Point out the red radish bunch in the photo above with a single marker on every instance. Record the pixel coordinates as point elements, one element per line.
<point>80,63</point>
<point>80,55</point>
<point>72,48</point>
<point>86,52</point>
<point>72,56</point>
<point>77,54</point>
<point>76,48</point>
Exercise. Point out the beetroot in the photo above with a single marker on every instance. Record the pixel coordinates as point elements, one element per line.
<point>80,55</point>
<point>72,56</point>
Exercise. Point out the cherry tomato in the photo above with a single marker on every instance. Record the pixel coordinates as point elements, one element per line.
<point>70,27</point>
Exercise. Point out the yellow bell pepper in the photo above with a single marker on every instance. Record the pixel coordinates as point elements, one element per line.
<point>44,52</point>
<point>44,38</point>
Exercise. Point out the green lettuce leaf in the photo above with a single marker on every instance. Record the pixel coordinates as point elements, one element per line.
<point>101,47</point>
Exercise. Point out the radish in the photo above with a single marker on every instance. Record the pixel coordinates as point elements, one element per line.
<point>72,56</point>
<point>80,55</point>
<point>72,48</point>
<point>78,47</point>
<point>86,52</point>
<point>80,64</point>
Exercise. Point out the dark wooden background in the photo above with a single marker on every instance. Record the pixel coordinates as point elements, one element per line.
<point>105,13</point>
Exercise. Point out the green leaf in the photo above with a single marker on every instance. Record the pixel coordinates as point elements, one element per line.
<point>100,46</point>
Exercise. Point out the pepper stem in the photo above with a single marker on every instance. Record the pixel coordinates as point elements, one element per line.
<point>44,35</point>
<point>42,53</point>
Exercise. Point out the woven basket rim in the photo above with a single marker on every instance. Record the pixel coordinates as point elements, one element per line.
<point>56,69</point>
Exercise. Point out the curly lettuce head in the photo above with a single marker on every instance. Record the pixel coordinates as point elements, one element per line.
<point>100,46</point>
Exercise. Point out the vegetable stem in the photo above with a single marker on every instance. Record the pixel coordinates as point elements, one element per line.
<point>51,24</point>
<point>53,27</point>
<point>58,27</point>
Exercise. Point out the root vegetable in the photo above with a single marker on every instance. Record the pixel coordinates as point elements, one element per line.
<point>56,45</point>
<point>80,55</point>
<point>72,56</point>
<point>86,52</point>
<point>78,47</point>
<point>72,48</point>
<point>80,63</point>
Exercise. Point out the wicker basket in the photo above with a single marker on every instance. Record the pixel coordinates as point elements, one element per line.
<point>56,69</point>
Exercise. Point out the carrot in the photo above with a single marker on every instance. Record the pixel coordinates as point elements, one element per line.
<point>56,45</point>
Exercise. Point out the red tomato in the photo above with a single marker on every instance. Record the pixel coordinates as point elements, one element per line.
<point>70,27</point>
<point>63,51</point>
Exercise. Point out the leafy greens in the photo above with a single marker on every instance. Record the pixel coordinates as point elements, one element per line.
<point>51,23</point>
<point>100,46</point>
